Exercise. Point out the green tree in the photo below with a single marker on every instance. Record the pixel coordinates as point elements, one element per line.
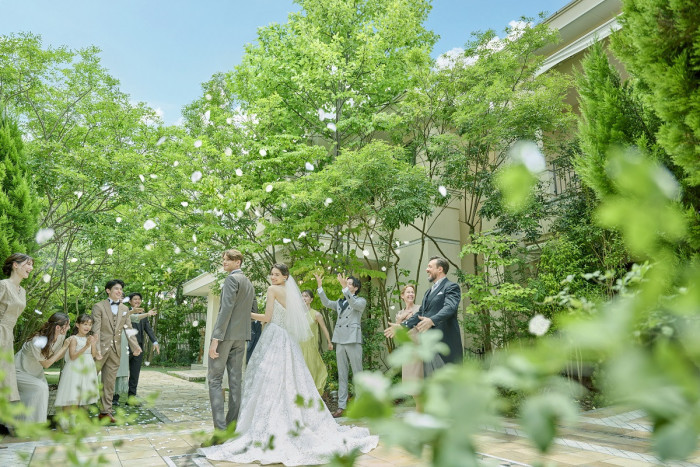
<point>19,207</point>
<point>660,45</point>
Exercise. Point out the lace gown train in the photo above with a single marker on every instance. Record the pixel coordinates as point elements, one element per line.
<point>272,426</point>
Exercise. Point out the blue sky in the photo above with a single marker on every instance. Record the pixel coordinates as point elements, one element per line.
<point>162,50</point>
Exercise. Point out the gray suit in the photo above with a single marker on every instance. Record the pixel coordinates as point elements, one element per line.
<point>232,330</point>
<point>347,337</point>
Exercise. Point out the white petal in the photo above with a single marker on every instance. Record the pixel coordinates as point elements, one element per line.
<point>149,224</point>
<point>74,260</point>
<point>365,252</point>
<point>268,188</point>
<point>118,219</point>
<point>176,163</point>
<point>38,312</point>
<point>309,167</point>
<point>185,204</point>
<point>538,325</point>
<point>286,240</point>
<point>328,201</point>
<point>239,172</point>
<point>383,268</point>
<point>331,126</point>
<point>196,176</point>
<point>194,238</point>
<point>126,300</point>
<point>442,190</point>
<point>198,143</point>
<point>263,152</point>
<point>131,332</point>
<point>79,194</point>
<point>228,151</point>
<point>46,278</point>
<point>154,176</point>
<point>195,323</point>
<point>208,97</point>
<point>161,141</point>
<point>110,251</point>
<point>302,234</point>
<point>142,178</point>
<point>229,120</point>
<point>92,261</point>
<point>44,235</point>
<point>177,250</point>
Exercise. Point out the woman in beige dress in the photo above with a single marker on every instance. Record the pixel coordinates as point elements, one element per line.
<point>309,348</point>
<point>40,351</point>
<point>13,299</point>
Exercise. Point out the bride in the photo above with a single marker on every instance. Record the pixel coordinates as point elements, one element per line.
<point>274,424</point>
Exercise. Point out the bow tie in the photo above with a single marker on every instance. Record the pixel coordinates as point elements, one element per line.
<point>114,303</point>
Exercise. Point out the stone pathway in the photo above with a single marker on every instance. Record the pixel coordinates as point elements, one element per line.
<point>607,437</point>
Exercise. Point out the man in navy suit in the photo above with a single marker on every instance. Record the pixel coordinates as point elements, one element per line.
<point>135,361</point>
<point>439,310</point>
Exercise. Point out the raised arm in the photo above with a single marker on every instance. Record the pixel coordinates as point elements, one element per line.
<point>322,295</point>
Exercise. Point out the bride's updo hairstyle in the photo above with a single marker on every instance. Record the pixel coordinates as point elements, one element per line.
<point>281,267</point>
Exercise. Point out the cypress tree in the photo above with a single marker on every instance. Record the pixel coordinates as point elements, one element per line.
<point>19,207</point>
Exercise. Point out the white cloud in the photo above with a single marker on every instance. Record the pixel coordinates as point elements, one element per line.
<point>452,57</point>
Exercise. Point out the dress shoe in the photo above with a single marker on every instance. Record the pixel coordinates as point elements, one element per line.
<point>213,441</point>
<point>107,415</point>
<point>338,413</point>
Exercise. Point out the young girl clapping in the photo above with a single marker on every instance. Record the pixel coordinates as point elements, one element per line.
<point>78,384</point>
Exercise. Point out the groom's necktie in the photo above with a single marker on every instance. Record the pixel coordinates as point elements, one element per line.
<point>343,305</point>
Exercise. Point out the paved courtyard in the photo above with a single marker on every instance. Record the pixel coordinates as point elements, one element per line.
<point>605,437</point>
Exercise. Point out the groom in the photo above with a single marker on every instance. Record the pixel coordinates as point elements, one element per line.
<point>228,340</point>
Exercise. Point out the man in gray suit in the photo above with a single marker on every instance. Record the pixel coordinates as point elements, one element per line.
<point>228,340</point>
<point>347,335</point>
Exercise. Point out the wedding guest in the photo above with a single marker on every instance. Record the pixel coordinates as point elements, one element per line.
<point>347,335</point>
<point>309,348</point>
<point>139,321</point>
<point>13,300</point>
<point>78,384</point>
<point>110,320</point>
<point>40,351</point>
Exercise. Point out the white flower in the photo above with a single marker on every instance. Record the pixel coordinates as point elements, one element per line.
<point>46,278</point>
<point>110,251</point>
<point>195,323</point>
<point>239,172</point>
<point>309,167</point>
<point>44,235</point>
<point>185,204</point>
<point>149,224</point>
<point>539,325</point>
<point>268,188</point>
<point>118,219</point>
<point>198,143</point>
<point>161,141</point>
<point>142,178</point>
<point>208,97</point>
<point>442,190</point>
<point>263,152</point>
<point>40,342</point>
<point>196,176</point>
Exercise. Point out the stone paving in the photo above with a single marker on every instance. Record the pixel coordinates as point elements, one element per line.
<point>608,437</point>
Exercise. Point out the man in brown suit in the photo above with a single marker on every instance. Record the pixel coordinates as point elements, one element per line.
<point>110,319</point>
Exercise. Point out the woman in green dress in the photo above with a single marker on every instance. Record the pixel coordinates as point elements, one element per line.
<point>310,347</point>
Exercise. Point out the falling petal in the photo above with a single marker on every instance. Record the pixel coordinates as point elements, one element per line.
<point>228,151</point>
<point>176,163</point>
<point>331,126</point>
<point>405,242</point>
<point>442,190</point>
<point>286,240</point>
<point>538,325</point>
<point>131,332</point>
<point>185,204</point>
<point>148,247</point>
<point>229,120</point>
<point>97,289</point>
<point>46,278</point>
<point>141,187</point>
<point>195,323</point>
<point>196,176</point>
<point>142,178</point>
<point>126,300</point>
<point>118,219</point>
<point>239,172</point>
<point>365,252</point>
<point>309,167</point>
<point>92,261</point>
<point>38,312</point>
<point>40,342</point>
<point>207,114</point>
<point>194,238</point>
<point>74,260</point>
<point>161,141</point>
<point>154,176</point>
<point>302,234</point>
<point>198,143</point>
<point>383,268</point>
<point>147,363</point>
<point>44,235</point>
<point>263,152</point>
<point>208,97</point>
<point>177,250</point>
<point>149,224</point>
<point>79,194</point>
<point>268,188</point>
<point>247,205</point>
<point>110,251</point>
<point>328,201</point>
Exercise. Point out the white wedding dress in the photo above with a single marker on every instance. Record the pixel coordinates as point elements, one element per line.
<point>272,426</point>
